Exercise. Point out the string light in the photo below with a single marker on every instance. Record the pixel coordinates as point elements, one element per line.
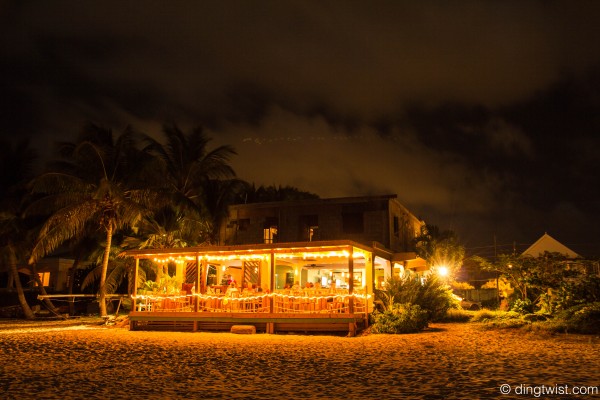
<point>263,256</point>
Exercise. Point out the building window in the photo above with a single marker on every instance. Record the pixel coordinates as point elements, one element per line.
<point>45,278</point>
<point>270,230</point>
<point>353,222</point>
<point>309,227</point>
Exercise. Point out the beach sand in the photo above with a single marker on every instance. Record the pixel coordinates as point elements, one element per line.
<point>448,361</point>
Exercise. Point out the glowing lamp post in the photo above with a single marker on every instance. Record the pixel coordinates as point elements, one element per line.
<point>442,271</point>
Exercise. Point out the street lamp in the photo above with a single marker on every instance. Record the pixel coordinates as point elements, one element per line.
<point>442,271</point>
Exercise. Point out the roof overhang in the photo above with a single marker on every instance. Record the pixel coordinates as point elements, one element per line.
<point>249,250</point>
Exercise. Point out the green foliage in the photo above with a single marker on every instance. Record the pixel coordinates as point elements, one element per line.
<point>499,319</point>
<point>534,317</point>
<point>432,295</point>
<point>401,318</point>
<point>512,323</point>
<point>572,293</point>
<point>489,315</point>
<point>458,315</point>
<point>522,306</point>
<point>584,318</point>
<point>549,282</point>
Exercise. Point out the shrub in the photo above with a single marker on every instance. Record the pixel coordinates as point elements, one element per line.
<point>534,317</point>
<point>573,293</point>
<point>522,306</point>
<point>432,295</point>
<point>436,298</point>
<point>584,318</point>
<point>401,318</point>
<point>550,326</point>
<point>455,315</point>
<point>489,315</point>
<point>510,323</point>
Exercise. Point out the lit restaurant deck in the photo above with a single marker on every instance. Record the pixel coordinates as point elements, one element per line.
<point>307,286</point>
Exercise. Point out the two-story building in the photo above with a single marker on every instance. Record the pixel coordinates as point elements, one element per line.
<point>365,220</point>
<point>307,264</point>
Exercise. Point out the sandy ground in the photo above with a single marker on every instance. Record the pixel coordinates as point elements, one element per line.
<point>449,361</point>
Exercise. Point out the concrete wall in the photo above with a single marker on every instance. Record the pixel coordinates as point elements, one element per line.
<point>246,223</point>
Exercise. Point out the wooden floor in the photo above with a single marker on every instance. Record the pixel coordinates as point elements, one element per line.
<point>263,322</point>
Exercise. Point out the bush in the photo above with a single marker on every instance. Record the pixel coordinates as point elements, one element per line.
<point>454,315</point>
<point>534,317</point>
<point>550,326</point>
<point>432,295</point>
<point>522,306</point>
<point>401,318</point>
<point>436,298</point>
<point>489,315</point>
<point>510,323</point>
<point>571,294</point>
<point>584,318</point>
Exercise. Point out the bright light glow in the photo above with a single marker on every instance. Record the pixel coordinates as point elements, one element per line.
<point>442,270</point>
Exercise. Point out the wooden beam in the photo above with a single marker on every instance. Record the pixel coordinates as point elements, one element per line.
<point>351,280</point>
<point>135,281</point>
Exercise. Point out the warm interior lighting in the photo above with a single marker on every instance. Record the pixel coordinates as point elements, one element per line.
<point>442,271</point>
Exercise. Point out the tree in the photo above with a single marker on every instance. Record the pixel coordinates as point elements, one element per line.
<point>166,228</point>
<point>533,277</point>
<point>217,195</point>
<point>15,230</point>
<point>189,167</point>
<point>440,249</point>
<point>99,179</point>
<point>252,194</point>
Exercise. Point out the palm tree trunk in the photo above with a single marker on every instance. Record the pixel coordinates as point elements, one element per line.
<point>72,272</point>
<point>13,270</point>
<point>11,281</point>
<point>102,292</point>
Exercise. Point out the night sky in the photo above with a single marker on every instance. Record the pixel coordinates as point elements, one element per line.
<point>484,117</point>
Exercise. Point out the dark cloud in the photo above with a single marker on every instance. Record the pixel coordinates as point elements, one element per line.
<point>482,116</point>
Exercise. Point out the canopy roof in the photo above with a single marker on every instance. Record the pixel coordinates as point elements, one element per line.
<point>249,251</point>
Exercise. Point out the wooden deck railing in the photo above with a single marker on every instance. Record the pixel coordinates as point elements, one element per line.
<point>254,303</point>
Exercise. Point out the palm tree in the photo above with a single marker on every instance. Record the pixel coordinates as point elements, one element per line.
<point>100,179</point>
<point>190,169</point>
<point>16,164</point>
<point>217,195</point>
<point>252,194</point>
<point>166,228</point>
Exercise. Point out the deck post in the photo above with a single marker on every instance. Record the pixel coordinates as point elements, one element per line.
<point>351,280</point>
<point>134,290</point>
<point>369,270</point>
<point>352,329</point>
<point>272,281</point>
<point>198,284</point>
